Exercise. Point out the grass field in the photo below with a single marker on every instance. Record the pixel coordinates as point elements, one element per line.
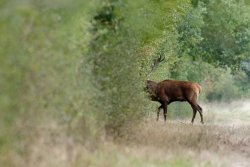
<point>224,140</point>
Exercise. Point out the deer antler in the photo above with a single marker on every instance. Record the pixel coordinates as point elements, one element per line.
<point>156,62</point>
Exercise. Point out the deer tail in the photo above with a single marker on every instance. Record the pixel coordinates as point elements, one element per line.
<point>200,88</point>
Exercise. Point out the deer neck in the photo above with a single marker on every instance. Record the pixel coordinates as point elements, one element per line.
<point>151,85</point>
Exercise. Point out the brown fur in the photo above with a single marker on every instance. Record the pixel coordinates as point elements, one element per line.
<point>168,91</point>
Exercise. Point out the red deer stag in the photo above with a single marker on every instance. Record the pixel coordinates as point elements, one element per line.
<point>168,91</point>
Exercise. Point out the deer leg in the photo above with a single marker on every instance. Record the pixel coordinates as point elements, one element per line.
<point>165,110</point>
<point>194,113</point>
<point>196,108</point>
<point>159,108</point>
<point>201,114</point>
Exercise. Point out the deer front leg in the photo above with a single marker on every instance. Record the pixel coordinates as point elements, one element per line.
<point>159,108</point>
<point>165,110</point>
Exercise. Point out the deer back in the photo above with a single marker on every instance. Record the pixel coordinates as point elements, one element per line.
<point>172,90</point>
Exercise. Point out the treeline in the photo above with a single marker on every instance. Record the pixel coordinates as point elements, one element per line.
<point>85,63</point>
<point>203,41</point>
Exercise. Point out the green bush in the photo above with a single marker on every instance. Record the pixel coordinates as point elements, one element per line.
<point>224,89</point>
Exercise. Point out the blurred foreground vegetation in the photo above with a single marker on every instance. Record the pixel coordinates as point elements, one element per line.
<point>81,65</point>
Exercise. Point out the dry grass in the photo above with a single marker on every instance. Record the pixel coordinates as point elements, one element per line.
<point>223,141</point>
<point>212,145</point>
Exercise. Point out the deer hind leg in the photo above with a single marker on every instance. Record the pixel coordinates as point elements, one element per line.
<point>201,113</point>
<point>195,109</point>
<point>194,113</point>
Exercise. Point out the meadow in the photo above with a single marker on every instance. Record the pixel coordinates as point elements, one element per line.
<point>224,140</point>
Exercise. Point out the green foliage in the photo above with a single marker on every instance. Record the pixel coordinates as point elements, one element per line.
<point>41,55</point>
<point>112,55</point>
<point>181,110</point>
<point>222,88</point>
<point>189,30</point>
<point>226,33</point>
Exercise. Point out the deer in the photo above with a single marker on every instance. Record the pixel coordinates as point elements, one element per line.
<point>168,91</point>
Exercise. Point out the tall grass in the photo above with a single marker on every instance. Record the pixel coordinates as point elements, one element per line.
<point>173,143</point>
